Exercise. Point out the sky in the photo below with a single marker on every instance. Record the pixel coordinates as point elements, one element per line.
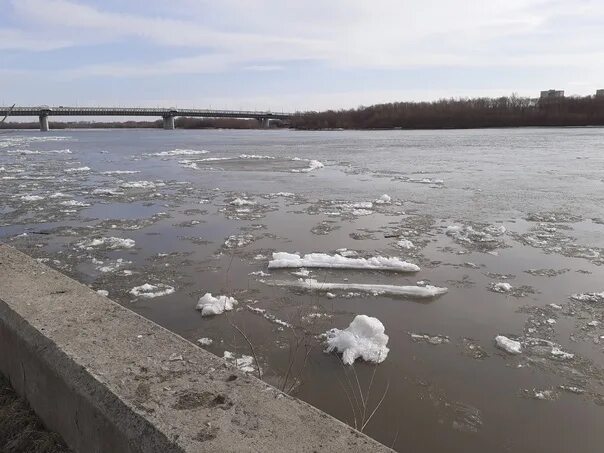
<point>284,55</point>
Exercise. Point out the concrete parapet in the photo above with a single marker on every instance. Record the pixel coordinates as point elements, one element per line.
<point>107,379</point>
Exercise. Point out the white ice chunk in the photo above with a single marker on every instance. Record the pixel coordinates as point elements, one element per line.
<point>244,362</point>
<point>205,341</point>
<point>384,199</point>
<point>322,260</point>
<point>363,338</point>
<point>242,202</point>
<point>393,290</point>
<point>508,345</point>
<point>77,170</point>
<point>405,244</point>
<point>210,305</point>
<point>111,243</point>
<point>502,287</point>
<point>149,291</point>
<point>102,292</point>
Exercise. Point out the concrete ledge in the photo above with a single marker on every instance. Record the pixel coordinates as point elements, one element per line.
<point>102,377</point>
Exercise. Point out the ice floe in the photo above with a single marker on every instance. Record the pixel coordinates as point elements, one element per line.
<point>501,287</point>
<point>508,345</point>
<point>364,338</point>
<point>312,165</point>
<point>384,199</point>
<point>589,297</point>
<point>32,198</point>
<point>432,339</point>
<point>268,316</point>
<point>242,202</point>
<point>120,172</point>
<point>110,243</point>
<point>244,362</point>
<point>149,291</point>
<point>322,260</point>
<point>77,170</point>
<point>180,152</point>
<point>210,305</point>
<point>376,289</point>
<point>405,244</point>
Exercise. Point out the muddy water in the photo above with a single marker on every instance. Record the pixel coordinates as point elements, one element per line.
<point>528,206</point>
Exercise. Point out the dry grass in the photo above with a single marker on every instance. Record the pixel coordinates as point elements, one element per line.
<point>20,429</point>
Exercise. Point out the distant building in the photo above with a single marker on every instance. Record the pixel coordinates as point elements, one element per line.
<point>600,92</point>
<point>552,94</point>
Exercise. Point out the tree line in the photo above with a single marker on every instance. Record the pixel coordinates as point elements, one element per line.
<point>463,113</point>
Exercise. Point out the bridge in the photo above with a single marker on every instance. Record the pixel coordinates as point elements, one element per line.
<point>168,114</point>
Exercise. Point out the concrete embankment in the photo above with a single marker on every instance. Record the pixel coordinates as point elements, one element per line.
<point>107,379</point>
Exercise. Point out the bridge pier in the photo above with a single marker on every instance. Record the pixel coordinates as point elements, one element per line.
<point>265,123</point>
<point>44,127</point>
<point>168,123</point>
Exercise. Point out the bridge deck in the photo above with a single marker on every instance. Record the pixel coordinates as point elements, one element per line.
<point>136,111</point>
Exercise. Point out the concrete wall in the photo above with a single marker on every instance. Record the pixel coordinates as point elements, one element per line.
<point>108,380</point>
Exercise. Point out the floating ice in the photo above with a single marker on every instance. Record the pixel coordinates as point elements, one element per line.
<point>361,212</point>
<point>322,260</point>
<point>432,339</point>
<point>210,305</point>
<point>409,291</point>
<point>205,341</point>
<point>405,244</point>
<point>560,354</point>
<point>487,236</point>
<point>32,198</point>
<point>384,199</point>
<point>254,156</point>
<point>180,152</point>
<point>589,297</point>
<point>111,243</point>
<point>301,273</point>
<point>77,170</point>
<point>120,172</point>
<point>59,195</point>
<point>510,346</point>
<point>312,165</point>
<point>102,292</point>
<point>140,185</point>
<point>149,291</point>
<point>244,362</point>
<point>238,241</point>
<point>74,203</point>
<point>501,287</point>
<point>242,202</point>
<point>269,317</point>
<point>363,338</point>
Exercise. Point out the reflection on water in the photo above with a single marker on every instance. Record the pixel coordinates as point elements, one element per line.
<point>509,221</point>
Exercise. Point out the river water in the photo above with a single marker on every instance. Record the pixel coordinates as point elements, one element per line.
<point>203,211</point>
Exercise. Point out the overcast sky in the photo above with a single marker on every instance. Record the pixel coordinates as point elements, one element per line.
<point>294,55</point>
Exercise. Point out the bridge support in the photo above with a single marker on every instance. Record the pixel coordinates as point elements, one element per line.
<point>168,123</point>
<point>44,122</point>
<point>265,123</point>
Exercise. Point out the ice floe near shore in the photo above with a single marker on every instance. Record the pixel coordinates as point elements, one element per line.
<point>149,291</point>
<point>244,362</point>
<point>364,338</point>
<point>210,305</point>
<point>322,260</point>
<point>393,290</point>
